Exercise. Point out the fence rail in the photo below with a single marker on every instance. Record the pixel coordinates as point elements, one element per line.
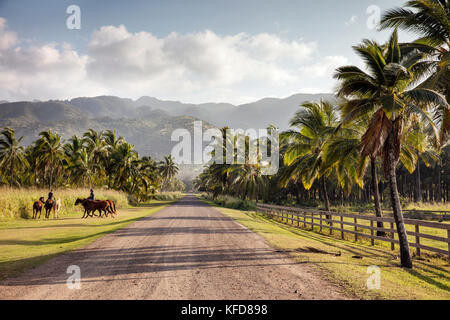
<point>336,221</point>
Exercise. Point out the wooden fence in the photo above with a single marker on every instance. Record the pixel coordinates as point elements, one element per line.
<point>360,223</point>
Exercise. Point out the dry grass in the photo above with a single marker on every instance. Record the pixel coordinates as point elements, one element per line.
<point>18,203</point>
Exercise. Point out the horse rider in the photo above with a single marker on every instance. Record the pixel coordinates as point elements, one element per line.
<point>50,195</point>
<point>91,197</point>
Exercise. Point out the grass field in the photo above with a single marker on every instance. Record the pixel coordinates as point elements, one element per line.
<point>340,261</point>
<point>27,243</point>
<point>18,203</point>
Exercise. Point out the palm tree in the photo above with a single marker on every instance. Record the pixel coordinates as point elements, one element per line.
<point>168,169</point>
<point>430,19</point>
<point>124,161</point>
<point>82,169</point>
<point>248,181</point>
<point>51,154</point>
<point>97,147</point>
<point>386,92</point>
<point>305,153</point>
<point>112,145</point>
<point>12,154</point>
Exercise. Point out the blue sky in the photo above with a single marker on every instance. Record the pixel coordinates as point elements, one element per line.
<point>194,51</point>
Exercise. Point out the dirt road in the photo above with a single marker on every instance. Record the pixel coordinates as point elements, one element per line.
<point>186,251</point>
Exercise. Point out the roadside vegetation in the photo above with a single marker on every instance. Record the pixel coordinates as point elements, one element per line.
<point>384,141</point>
<point>99,160</point>
<point>346,263</point>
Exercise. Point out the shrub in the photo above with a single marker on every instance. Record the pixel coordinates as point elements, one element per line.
<point>232,203</point>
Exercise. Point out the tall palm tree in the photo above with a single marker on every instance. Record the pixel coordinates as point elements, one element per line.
<point>305,153</point>
<point>12,154</point>
<point>429,19</point>
<point>386,92</point>
<point>168,169</point>
<point>82,169</point>
<point>51,154</point>
<point>98,149</point>
<point>124,161</point>
<point>248,181</point>
<point>112,144</point>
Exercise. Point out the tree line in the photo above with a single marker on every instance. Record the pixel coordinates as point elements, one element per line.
<point>385,137</point>
<point>96,159</point>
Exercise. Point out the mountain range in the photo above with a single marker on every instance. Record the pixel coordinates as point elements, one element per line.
<point>146,122</point>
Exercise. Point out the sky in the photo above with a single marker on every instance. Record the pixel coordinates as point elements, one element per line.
<point>193,51</point>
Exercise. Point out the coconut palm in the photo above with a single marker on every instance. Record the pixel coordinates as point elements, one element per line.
<point>305,153</point>
<point>248,181</point>
<point>429,19</point>
<point>51,155</point>
<point>168,169</point>
<point>82,169</point>
<point>386,92</point>
<point>112,144</point>
<point>124,162</point>
<point>12,154</point>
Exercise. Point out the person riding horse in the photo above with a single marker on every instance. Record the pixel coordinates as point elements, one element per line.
<point>92,197</point>
<point>50,195</point>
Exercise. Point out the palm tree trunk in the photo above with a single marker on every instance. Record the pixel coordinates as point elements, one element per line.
<point>11,172</point>
<point>418,195</point>
<point>376,198</point>
<point>438,184</point>
<point>405,254</point>
<point>325,198</point>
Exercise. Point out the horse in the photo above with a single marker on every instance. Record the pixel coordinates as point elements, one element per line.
<point>56,208</point>
<point>48,207</point>
<point>37,207</point>
<point>94,205</point>
<point>83,203</point>
<point>112,208</point>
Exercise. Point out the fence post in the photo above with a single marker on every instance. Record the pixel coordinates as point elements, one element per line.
<point>321,222</point>
<point>372,233</point>
<point>304,220</point>
<point>355,220</point>
<point>448,237</point>
<point>342,228</point>
<point>392,237</point>
<point>417,240</point>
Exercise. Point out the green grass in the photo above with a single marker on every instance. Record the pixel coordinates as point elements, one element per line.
<point>334,258</point>
<point>27,243</point>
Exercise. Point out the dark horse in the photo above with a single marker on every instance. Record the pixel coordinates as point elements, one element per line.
<point>96,205</point>
<point>48,207</point>
<point>37,207</point>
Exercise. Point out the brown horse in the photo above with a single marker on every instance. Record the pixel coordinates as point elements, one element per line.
<point>112,208</point>
<point>37,207</point>
<point>48,207</point>
<point>90,206</point>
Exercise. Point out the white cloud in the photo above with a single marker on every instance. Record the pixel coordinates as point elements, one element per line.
<point>325,67</point>
<point>352,21</point>
<point>7,38</point>
<point>194,67</point>
<point>40,72</point>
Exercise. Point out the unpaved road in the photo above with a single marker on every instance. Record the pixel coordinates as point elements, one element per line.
<point>186,251</point>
